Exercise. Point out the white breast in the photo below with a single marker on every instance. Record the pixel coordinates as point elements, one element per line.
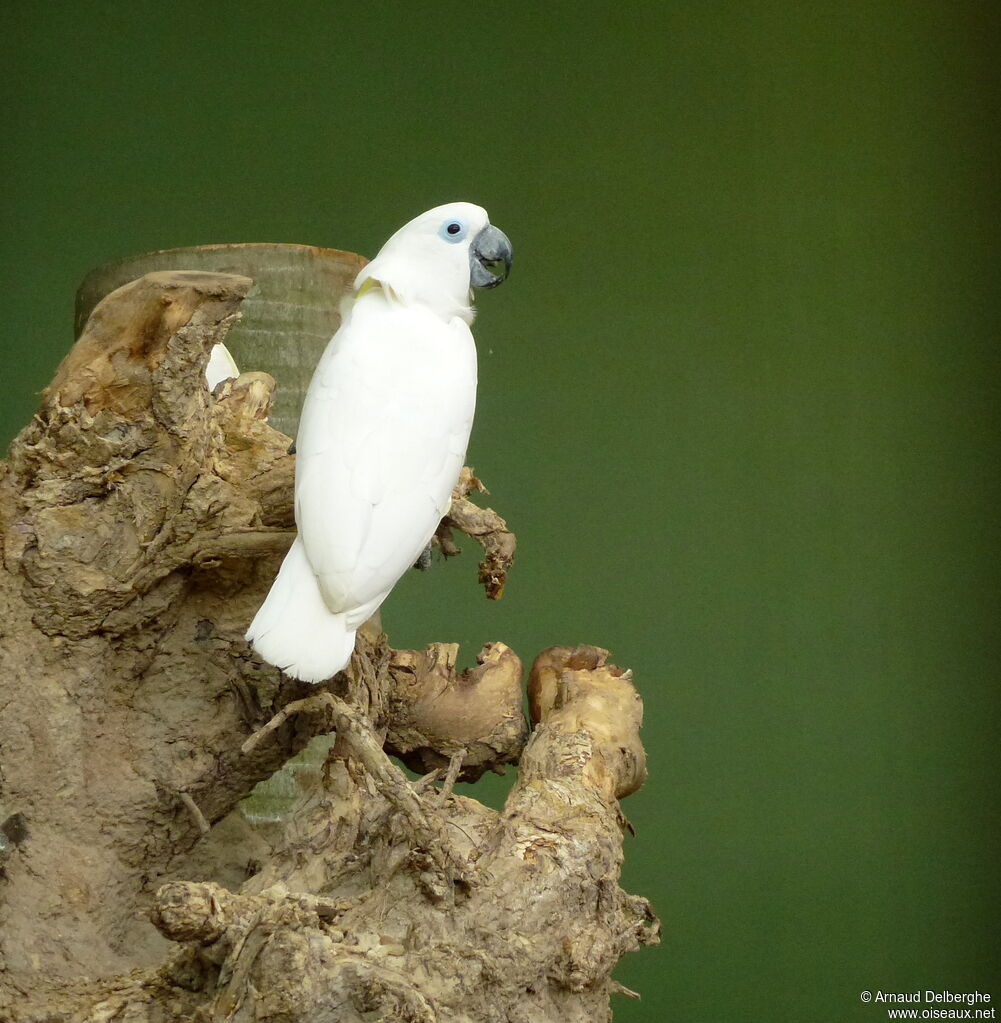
<point>381,441</point>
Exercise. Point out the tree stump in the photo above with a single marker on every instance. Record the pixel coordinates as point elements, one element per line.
<point>290,312</point>
<point>142,520</point>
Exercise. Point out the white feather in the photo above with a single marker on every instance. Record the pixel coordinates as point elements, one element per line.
<point>221,366</point>
<point>381,440</point>
<point>294,629</point>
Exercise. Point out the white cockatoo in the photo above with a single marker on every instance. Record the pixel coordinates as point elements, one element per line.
<point>382,436</point>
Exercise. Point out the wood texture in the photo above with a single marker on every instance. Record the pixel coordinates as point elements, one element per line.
<point>142,520</point>
<point>291,310</point>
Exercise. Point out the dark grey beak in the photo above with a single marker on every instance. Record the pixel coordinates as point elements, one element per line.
<point>490,258</point>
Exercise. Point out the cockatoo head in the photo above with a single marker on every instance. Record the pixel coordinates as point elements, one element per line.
<point>438,256</point>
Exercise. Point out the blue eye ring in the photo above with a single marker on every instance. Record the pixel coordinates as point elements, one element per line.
<point>453,230</point>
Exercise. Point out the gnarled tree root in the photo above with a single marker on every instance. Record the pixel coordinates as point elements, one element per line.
<point>142,520</point>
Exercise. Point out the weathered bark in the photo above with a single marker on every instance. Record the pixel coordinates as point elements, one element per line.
<point>142,520</point>
<point>289,314</point>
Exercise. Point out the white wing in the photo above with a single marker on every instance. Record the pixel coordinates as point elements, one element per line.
<point>381,441</point>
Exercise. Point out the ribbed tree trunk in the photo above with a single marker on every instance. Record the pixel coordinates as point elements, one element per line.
<point>290,311</point>
<point>142,521</point>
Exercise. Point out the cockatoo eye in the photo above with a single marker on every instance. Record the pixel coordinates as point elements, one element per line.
<point>454,230</point>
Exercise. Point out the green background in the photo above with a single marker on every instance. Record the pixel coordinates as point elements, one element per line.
<point>739,401</point>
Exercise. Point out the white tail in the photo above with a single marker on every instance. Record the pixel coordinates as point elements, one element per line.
<point>295,630</point>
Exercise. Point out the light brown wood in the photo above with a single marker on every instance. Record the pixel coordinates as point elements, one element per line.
<point>290,312</point>
<point>142,521</point>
